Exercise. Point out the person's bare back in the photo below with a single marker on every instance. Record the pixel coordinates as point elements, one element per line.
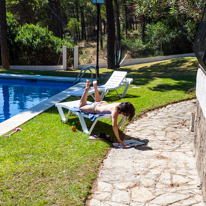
<point>105,108</point>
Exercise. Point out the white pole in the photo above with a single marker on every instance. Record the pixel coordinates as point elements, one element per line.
<point>76,57</point>
<point>65,57</point>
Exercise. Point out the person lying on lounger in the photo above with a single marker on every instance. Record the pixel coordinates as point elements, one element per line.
<point>102,107</point>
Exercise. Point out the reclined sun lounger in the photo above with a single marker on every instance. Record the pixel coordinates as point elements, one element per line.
<point>70,107</point>
<point>118,79</point>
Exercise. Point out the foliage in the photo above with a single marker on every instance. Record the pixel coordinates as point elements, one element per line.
<point>32,45</point>
<point>188,12</point>
<point>165,37</point>
<point>136,47</point>
<point>158,8</point>
<point>12,28</point>
<point>168,37</point>
<point>73,25</point>
<point>156,34</point>
<point>37,45</point>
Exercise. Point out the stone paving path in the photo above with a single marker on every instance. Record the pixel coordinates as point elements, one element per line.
<point>161,173</point>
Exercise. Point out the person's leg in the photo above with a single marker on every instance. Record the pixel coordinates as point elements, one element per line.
<point>83,100</point>
<point>96,92</point>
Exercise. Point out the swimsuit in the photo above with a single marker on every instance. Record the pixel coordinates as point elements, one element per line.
<point>98,103</point>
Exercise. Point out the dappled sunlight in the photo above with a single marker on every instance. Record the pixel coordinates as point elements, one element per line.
<point>183,66</point>
<point>178,68</point>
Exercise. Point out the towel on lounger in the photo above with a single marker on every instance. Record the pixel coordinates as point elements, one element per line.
<point>92,117</point>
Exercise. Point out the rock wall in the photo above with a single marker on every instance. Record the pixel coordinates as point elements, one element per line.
<point>200,129</point>
<point>200,147</point>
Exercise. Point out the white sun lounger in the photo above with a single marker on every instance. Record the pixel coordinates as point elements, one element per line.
<point>69,105</point>
<point>118,79</point>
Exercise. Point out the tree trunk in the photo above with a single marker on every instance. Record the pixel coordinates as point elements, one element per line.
<point>130,21</point>
<point>126,23</point>
<point>136,21</point>
<point>77,9</point>
<point>53,18</point>
<point>83,24</point>
<point>104,26</point>
<point>110,34</point>
<point>20,13</point>
<point>59,25</point>
<point>117,20</point>
<point>100,29</point>
<point>143,28</point>
<point>3,35</point>
<point>118,46</point>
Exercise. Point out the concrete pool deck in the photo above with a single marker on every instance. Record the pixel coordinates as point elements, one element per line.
<point>23,117</point>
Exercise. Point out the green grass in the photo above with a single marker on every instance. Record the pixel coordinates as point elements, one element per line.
<point>48,164</point>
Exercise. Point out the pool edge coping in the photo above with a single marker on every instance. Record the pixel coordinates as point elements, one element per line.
<point>37,77</point>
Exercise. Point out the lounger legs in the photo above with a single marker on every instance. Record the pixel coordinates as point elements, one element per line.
<point>83,124</point>
<point>61,114</point>
<point>103,94</point>
<point>125,90</point>
<point>81,119</point>
<point>120,96</point>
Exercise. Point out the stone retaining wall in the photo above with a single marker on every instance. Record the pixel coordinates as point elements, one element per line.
<point>200,147</point>
<point>200,129</point>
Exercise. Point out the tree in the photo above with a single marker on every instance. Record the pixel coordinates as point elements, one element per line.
<point>188,12</point>
<point>3,34</point>
<point>110,35</point>
<point>118,45</point>
<point>24,10</point>
<point>157,33</point>
<point>159,8</point>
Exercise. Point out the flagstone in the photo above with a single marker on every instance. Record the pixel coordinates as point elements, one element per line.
<point>141,194</point>
<point>169,198</point>
<point>120,196</point>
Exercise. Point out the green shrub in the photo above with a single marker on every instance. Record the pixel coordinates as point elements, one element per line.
<point>32,45</point>
<point>136,47</point>
<point>169,37</point>
<point>37,45</point>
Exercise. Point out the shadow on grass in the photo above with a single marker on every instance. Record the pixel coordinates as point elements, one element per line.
<point>176,69</point>
<point>183,85</point>
<point>100,126</point>
<point>114,97</point>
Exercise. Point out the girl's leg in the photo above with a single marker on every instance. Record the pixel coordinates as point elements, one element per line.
<point>96,93</point>
<point>83,100</point>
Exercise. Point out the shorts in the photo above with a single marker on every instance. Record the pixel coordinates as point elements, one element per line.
<point>97,103</point>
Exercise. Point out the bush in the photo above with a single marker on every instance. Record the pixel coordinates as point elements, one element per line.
<point>136,47</point>
<point>37,45</point>
<point>169,37</point>
<point>32,45</point>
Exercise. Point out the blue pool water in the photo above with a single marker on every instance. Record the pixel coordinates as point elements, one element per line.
<point>17,96</point>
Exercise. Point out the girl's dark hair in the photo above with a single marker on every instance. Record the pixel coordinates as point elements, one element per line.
<point>127,108</point>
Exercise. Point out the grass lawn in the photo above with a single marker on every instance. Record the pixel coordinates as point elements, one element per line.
<point>48,164</point>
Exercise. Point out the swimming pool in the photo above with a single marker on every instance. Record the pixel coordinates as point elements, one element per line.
<point>17,96</point>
